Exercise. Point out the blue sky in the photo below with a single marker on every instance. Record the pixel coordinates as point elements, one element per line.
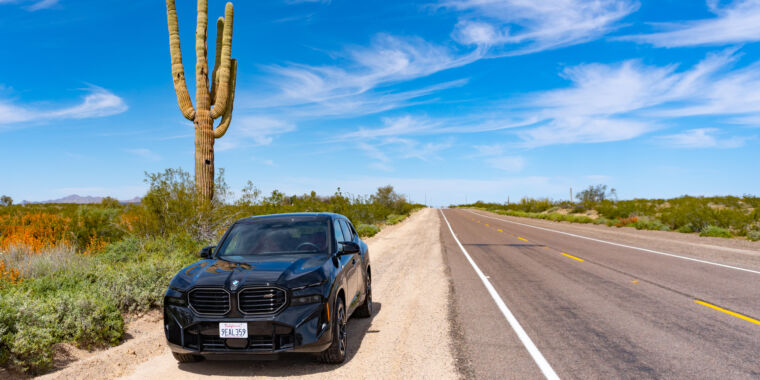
<point>448,100</point>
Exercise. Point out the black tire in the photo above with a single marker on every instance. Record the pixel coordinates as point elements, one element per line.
<point>186,358</point>
<point>365,310</point>
<point>336,354</point>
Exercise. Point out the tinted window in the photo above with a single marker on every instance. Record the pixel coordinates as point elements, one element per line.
<point>338,232</point>
<point>346,231</point>
<point>269,237</point>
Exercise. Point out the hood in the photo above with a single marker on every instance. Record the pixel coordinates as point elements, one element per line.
<point>289,271</point>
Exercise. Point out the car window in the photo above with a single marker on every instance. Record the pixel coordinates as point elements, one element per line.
<point>338,232</point>
<point>346,231</point>
<point>276,237</point>
<point>353,230</point>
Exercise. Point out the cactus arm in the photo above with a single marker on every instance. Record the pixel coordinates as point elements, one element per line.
<point>222,93</point>
<point>178,70</point>
<point>202,96</point>
<point>227,117</point>
<point>218,59</point>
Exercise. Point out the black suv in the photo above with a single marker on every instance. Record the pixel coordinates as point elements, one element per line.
<point>275,283</point>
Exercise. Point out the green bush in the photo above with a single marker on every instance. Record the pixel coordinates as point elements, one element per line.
<point>715,231</point>
<point>367,230</point>
<point>649,224</point>
<point>83,304</point>
<point>753,235</point>
<point>394,219</point>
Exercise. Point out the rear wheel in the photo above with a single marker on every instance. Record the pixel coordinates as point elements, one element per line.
<point>336,354</point>
<point>186,358</point>
<point>365,310</point>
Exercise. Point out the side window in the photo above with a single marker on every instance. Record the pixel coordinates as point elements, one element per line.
<point>338,232</point>
<point>353,230</point>
<point>346,231</point>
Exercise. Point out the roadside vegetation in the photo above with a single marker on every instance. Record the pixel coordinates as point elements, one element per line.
<point>726,216</point>
<point>69,273</point>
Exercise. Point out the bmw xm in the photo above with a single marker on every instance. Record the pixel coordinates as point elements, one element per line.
<point>274,284</point>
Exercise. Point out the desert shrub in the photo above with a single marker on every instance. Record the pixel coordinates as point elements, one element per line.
<point>173,206</point>
<point>580,219</point>
<point>30,325</point>
<point>715,231</point>
<point>394,219</point>
<point>627,222</point>
<point>650,224</point>
<point>753,235</point>
<point>83,303</point>
<point>51,260</point>
<point>686,229</point>
<point>367,230</point>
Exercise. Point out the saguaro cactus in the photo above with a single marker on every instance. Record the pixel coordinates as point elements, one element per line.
<point>220,95</point>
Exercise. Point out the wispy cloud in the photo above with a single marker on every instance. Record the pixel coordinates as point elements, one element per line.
<point>626,100</point>
<point>522,27</point>
<point>701,138</point>
<point>98,103</point>
<point>495,157</point>
<point>384,151</point>
<point>362,85</point>
<point>35,6</point>
<point>144,153</point>
<point>42,4</point>
<point>363,79</point>
<point>253,131</point>
<point>734,22</point>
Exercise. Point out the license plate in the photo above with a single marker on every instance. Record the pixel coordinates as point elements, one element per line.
<point>233,330</point>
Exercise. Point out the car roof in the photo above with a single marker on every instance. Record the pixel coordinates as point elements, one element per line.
<point>293,215</point>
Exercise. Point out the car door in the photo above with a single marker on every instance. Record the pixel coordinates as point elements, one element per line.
<point>347,265</point>
<point>356,271</point>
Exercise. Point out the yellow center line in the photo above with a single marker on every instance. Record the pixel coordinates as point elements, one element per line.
<point>729,312</point>
<point>523,239</point>
<point>487,225</point>
<point>635,281</point>
<point>572,257</point>
<point>499,229</point>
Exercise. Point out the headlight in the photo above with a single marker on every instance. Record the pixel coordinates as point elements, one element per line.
<point>305,300</point>
<point>177,301</point>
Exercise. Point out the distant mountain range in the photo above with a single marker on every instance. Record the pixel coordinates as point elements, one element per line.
<point>78,199</point>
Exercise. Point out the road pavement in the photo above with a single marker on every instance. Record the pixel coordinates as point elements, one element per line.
<point>598,308</point>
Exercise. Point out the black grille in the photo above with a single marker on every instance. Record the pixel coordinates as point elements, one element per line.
<point>261,300</point>
<point>210,301</point>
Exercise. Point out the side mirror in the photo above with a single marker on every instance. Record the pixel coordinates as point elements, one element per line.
<point>349,248</point>
<point>206,252</point>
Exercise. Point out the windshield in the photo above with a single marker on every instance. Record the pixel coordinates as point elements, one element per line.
<point>271,237</point>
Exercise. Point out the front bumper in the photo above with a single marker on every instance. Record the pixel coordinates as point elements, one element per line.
<point>295,329</point>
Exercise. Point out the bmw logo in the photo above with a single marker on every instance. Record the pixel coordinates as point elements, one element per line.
<point>235,284</point>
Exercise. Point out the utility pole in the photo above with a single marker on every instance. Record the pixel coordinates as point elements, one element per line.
<point>571,195</point>
<point>507,200</point>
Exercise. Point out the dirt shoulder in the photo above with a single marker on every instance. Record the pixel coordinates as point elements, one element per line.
<point>408,337</point>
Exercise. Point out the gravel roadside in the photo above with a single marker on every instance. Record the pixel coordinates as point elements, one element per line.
<point>408,337</point>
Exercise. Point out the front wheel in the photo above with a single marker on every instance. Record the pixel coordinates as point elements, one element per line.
<point>365,310</point>
<point>336,354</point>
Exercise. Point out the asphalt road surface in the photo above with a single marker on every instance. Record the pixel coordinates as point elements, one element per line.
<point>574,305</point>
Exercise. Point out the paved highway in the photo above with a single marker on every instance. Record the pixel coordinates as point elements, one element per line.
<point>533,301</point>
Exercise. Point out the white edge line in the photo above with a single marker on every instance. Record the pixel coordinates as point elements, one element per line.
<point>541,362</point>
<point>622,245</point>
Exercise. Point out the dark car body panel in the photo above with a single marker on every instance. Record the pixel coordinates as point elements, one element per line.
<point>293,328</point>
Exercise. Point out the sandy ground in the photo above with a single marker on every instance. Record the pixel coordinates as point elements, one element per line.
<point>408,337</point>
